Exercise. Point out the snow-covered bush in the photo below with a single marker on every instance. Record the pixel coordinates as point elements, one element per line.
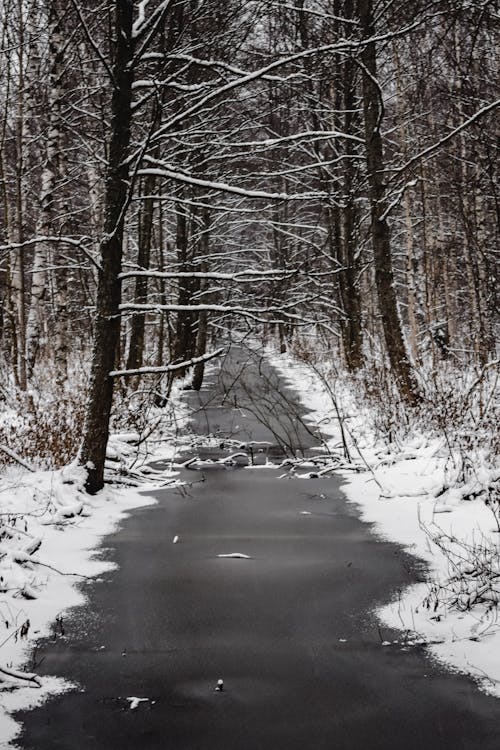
<point>473,577</point>
<point>460,406</point>
<point>44,425</point>
<point>452,440</point>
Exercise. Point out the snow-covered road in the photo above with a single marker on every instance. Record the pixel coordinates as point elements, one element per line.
<point>270,587</point>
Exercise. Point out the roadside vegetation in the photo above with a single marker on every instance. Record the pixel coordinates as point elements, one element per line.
<point>317,178</point>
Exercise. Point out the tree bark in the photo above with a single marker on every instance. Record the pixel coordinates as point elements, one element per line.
<point>136,345</point>
<point>384,279</point>
<point>50,177</point>
<point>202,332</point>
<point>185,338</point>
<point>411,259</point>
<point>351,324</point>
<point>107,317</point>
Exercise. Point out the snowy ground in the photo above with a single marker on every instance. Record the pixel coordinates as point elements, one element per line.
<point>49,531</point>
<point>398,493</point>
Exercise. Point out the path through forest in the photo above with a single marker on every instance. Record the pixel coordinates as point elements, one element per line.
<point>289,630</point>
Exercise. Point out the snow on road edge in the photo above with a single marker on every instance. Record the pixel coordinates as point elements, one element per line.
<point>468,642</point>
<point>70,535</point>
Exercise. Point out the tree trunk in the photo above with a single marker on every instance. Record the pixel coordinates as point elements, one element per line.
<point>384,279</point>
<point>351,324</point>
<point>107,317</point>
<point>201,348</point>
<point>50,177</point>
<point>202,333</point>
<point>411,298</point>
<point>136,345</point>
<point>61,327</point>
<point>185,338</point>
<point>14,219</point>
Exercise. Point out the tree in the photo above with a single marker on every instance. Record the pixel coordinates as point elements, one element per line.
<point>384,277</point>
<point>116,198</point>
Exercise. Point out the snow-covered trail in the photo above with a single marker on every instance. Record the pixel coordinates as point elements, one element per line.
<point>269,587</point>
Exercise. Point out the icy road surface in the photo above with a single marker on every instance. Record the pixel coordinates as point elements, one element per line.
<point>269,588</point>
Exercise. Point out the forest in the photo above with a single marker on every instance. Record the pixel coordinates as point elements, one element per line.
<point>260,237</point>
<point>318,175</point>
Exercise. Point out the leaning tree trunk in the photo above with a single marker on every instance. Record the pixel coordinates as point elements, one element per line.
<point>384,279</point>
<point>107,316</point>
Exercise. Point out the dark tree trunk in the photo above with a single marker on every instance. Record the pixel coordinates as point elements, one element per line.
<point>202,334</point>
<point>351,328</point>
<point>107,317</point>
<point>185,338</point>
<point>350,324</point>
<point>201,348</point>
<point>341,218</point>
<point>136,345</point>
<point>384,280</point>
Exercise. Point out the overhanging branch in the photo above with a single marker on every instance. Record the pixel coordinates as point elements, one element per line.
<point>167,368</point>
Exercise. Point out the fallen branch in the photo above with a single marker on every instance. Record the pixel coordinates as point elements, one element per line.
<point>56,570</point>
<point>23,676</point>
<point>15,457</point>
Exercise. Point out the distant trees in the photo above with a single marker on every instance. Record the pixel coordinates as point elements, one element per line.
<point>174,171</point>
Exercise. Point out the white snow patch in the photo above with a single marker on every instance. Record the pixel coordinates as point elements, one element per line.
<point>398,495</point>
<point>134,702</point>
<point>239,555</point>
<point>50,530</point>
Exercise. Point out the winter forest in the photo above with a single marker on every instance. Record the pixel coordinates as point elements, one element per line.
<point>173,171</point>
<point>316,177</point>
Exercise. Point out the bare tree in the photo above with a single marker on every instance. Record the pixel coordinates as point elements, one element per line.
<point>384,277</point>
<point>107,322</point>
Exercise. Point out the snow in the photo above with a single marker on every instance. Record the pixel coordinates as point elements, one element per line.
<point>410,499</point>
<point>36,593</point>
<point>134,702</point>
<point>49,531</point>
<point>26,698</point>
<point>236,555</point>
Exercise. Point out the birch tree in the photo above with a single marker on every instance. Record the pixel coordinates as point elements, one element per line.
<point>51,174</point>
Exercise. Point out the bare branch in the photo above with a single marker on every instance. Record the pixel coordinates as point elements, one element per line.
<point>168,368</point>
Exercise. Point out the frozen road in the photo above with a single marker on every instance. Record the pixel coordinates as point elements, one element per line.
<point>290,630</point>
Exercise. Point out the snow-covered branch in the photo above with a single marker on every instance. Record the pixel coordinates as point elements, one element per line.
<point>166,171</point>
<point>15,457</point>
<point>341,47</point>
<point>240,276</point>
<point>228,309</point>
<point>169,368</point>
<point>431,150</point>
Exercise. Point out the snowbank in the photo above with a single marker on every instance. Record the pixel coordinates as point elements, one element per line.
<point>403,494</point>
<point>49,531</point>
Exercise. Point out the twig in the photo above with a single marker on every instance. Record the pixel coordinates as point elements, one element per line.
<point>27,676</point>
<point>15,457</point>
<point>60,572</point>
